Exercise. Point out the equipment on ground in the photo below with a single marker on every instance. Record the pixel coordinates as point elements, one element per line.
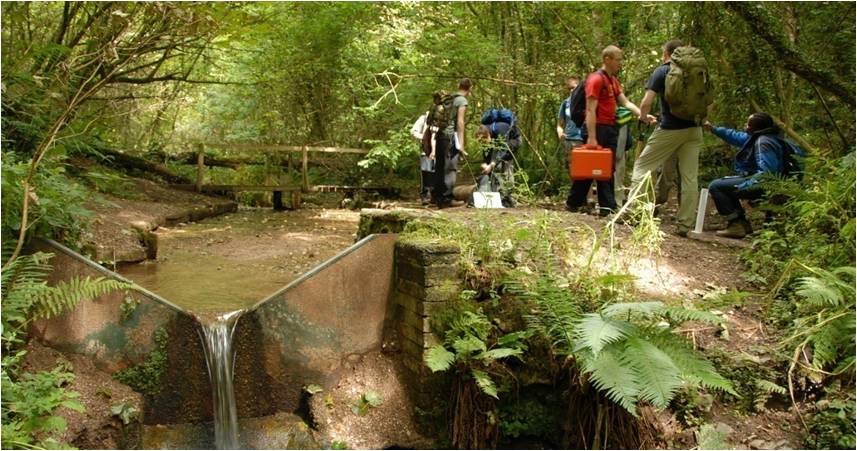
<point>590,162</point>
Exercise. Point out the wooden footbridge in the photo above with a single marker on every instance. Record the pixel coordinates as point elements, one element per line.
<point>294,191</point>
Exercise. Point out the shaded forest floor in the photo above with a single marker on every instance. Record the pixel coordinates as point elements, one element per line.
<point>693,273</point>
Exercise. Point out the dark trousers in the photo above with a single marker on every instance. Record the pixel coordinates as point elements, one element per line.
<point>607,136</point>
<point>727,197</point>
<point>426,183</point>
<point>445,168</point>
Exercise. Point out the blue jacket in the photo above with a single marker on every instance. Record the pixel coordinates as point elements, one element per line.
<point>758,153</point>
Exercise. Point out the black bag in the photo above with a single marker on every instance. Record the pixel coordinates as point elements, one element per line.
<point>577,99</point>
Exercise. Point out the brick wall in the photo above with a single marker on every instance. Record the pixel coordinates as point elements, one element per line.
<point>426,277</point>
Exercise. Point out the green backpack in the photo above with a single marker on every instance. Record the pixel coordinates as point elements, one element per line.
<point>440,115</point>
<point>688,86</point>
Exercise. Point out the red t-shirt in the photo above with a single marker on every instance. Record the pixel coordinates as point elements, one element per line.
<point>605,88</point>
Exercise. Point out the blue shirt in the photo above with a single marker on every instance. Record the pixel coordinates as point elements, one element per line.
<point>657,83</point>
<point>756,155</point>
<point>572,131</point>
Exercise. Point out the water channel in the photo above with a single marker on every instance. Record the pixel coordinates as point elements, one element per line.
<point>218,267</point>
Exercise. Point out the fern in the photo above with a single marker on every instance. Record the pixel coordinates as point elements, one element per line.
<point>657,375</point>
<point>614,377</point>
<point>594,331</point>
<point>438,358</point>
<point>633,361</point>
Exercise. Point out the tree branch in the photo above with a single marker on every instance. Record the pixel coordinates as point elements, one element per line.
<point>789,57</point>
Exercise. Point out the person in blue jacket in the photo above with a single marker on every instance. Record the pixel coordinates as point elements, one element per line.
<point>761,151</point>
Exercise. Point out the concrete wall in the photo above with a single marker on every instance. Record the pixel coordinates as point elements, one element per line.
<point>300,335</point>
<point>309,329</point>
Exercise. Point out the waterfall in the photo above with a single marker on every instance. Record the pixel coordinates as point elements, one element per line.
<point>220,358</point>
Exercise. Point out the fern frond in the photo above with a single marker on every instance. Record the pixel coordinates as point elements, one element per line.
<point>625,308</point>
<point>437,358</point>
<point>657,375</point>
<point>594,331</point>
<point>610,375</point>
<point>819,292</point>
<point>483,380</point>
<point>678,315</point>
<point>692,366</point>
<point>65,295</point>
<point>770,387</point>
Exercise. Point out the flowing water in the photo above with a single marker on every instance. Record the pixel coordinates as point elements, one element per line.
<point>220,358</point>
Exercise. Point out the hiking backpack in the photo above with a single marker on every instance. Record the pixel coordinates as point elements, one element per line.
<point>493,115</point>
<point>792,156</point>
<point>687,87</point>
<point>439,113</point>
<point>577,100</point>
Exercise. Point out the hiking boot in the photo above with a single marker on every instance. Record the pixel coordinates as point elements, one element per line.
<point>682,231</point>
<point>451,204</point>
<point>737,228</point>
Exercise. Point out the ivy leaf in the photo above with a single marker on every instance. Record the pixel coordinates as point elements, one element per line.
<point>373,398</point>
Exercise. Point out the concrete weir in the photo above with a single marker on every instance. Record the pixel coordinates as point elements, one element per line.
<point>302,334</point>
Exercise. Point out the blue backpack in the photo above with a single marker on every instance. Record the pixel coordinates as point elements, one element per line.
<point>494,115</point>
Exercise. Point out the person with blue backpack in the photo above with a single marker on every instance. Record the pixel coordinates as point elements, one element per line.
<point>500,135</point>
<point>762,150</point>
<point>567,131</point>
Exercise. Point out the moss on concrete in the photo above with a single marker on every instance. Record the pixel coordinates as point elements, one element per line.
<point>145,377</point>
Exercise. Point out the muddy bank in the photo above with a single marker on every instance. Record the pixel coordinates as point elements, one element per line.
<point>119,230</point>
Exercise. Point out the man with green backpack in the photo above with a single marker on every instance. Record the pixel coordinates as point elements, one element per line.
<point>684,89</point>
<point>447,116</point>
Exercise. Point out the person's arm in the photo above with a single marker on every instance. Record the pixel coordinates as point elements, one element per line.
<point>591,107</point>
<point>460,129</point>
<point>560,121</point>
<point>647,118</point>
<point>646,103</point>
<point>732,137</point>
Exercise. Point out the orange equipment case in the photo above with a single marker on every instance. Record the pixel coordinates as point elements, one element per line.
<point>588,162</point>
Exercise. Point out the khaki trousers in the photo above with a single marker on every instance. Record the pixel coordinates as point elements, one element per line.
<point>685,144</point>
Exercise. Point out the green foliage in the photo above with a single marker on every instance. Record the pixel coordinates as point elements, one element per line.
<point>630,352</point>
<point>824,323</point>
<point>128,307</point>
<point>30,399</point>
<point>708,437</point>
<point>126,412</point>
<point>832,426</point>
<point>366,401</point>
<point>56,204</point>
<point>816,224</point>
<point>338,444</point>
<point>473,346</point>
<point>145,377</point>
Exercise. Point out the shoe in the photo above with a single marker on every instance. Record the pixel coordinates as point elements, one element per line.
<point>737,228</point>
<point>682,231</point>
<point>425,201</point>
<point>451,204</point>
<point>578,209</point>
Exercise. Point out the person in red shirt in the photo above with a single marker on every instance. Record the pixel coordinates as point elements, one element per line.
<point>603,94</point>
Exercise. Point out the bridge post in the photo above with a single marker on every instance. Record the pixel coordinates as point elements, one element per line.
<point>304,169</point>
<point>200,165</point>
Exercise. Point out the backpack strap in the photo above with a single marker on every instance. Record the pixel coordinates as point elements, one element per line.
<point>608,81</point>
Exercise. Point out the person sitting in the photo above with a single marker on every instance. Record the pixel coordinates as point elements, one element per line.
<point>762,149</point>
<point>500,140</point>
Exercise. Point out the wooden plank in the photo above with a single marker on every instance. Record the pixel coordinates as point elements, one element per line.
<point>305,170</point>
<point>283,148</point>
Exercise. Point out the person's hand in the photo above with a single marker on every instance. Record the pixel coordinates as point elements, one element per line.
<point>464,153</point>
<point>591,141</point>
<point>431,156</point>
<point>707,125</point>
<point>486,168</point>
<point>562,136</point>
<point>650,119</point>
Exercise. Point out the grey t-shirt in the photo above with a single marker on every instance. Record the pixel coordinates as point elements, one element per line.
<point>458,102</point>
